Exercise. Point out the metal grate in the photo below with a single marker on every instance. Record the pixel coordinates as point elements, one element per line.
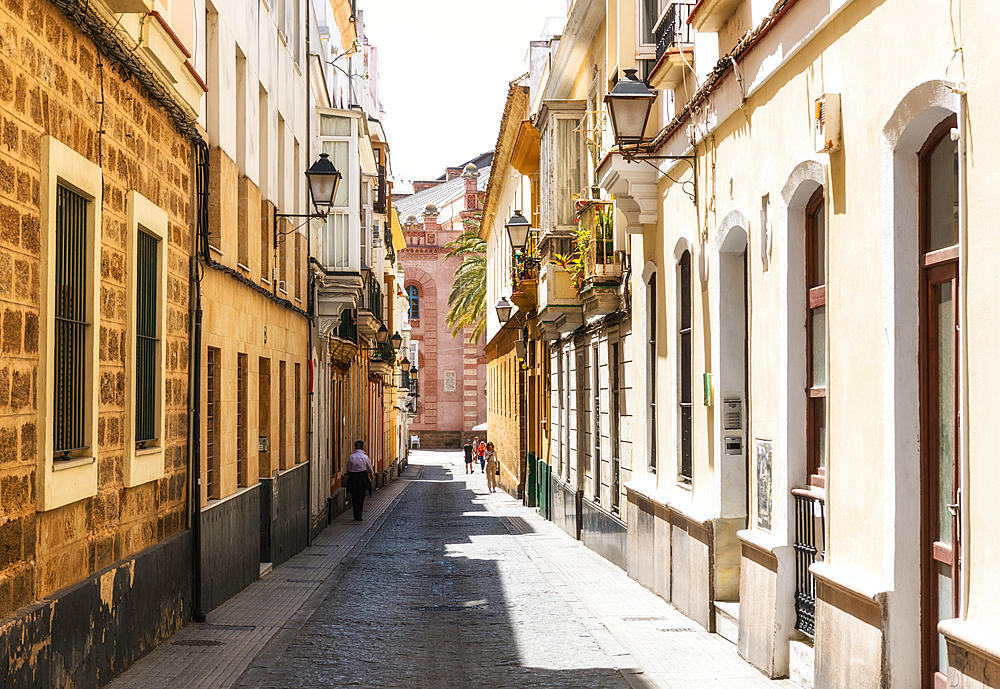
<point>684,336</point>
<point>210,439</point>
<point>375,299</point>
<point>146,341</point>
<point>70,323</point>
<point>348,328</point>
<point>241,420</point>
<point>810,529</point>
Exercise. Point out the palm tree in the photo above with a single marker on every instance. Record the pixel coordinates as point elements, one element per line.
<point>468,291</point>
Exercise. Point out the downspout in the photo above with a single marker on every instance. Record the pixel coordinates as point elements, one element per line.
<point>963,360</point>
<point>309,302</point>
<point>201,248</point>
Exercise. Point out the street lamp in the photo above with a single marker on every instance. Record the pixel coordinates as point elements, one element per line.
<point>396,341</point>
<point>518,227</point>
<point>504,308</point>
<point>324,179</point>
<point>629,103</point>
<point>404,365</point>
<point>382,334</point>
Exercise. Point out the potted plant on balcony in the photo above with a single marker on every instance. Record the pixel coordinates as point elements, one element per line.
<point>604,241</point>
<point>576,262</point>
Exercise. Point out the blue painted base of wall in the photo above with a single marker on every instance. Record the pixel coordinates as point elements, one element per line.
<point>77,638</point>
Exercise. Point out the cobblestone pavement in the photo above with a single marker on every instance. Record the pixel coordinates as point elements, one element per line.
<point>445,585</point>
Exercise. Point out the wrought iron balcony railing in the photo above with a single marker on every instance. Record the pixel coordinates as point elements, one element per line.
<point>348,329</point>
<point>673,28</point>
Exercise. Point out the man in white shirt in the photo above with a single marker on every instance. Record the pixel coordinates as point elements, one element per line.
<point>359,478</point>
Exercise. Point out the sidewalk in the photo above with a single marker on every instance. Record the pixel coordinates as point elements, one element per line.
<point>653,644</point>
<point>215,654</point>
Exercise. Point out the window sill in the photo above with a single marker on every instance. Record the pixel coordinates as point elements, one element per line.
<point>62,465</point>
<point>244,268</point>
<point>216,249</point>
<point>266,281</point>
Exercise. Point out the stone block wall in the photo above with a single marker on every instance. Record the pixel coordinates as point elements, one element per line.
<point>54,82</point>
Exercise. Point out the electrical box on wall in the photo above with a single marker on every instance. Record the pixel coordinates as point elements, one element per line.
<point>826,123</point>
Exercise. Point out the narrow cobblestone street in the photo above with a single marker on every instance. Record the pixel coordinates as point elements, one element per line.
<point>445,585</point>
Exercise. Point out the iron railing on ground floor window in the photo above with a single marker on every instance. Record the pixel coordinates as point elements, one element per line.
<point>810,547</point>
<point>147,249</point>
<point>71,324</point>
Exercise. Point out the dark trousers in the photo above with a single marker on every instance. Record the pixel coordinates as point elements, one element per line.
<point>358,503</point>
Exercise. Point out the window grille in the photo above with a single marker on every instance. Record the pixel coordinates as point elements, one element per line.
<point>653,325</point>
<point>684,335</point>
<point>146,341</point>
<point>810,530</point>
<point>596,365</point>
<point>70,323</point>
<point>211,448</point>
<point>297,457</point>
<point>282,415</point>
<point>616,459</point>
<point>241,420</point>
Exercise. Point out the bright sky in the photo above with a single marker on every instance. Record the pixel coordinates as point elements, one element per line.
<point>444,66</point>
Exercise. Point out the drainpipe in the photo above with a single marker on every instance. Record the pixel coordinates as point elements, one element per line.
<point>309,306</point>
<point>963,360</point>
<point>199,613</point>
<point>200,241</point>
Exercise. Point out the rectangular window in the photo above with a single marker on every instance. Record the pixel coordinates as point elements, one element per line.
<point>816,338</point>
<point>615,412</point>
<point>146,264</point>
<point>70,196</point>
<point>685,375</point>
<point>241,420</point>
<point>298,414</point>
<point>570,168</point>
<point>264,417</point>
<point>211,423</point>
<point>337,133</point>
<point>266,230</point>
<point>71,324</point>
<point>652,358</point>
<point>242,143</point>
<point>146,339</point>
<point>559,448</point>
<point>596,373</point>
<point>282,415</point>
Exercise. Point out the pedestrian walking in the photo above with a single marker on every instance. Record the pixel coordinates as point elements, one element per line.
<point>481,452</point>
<point>468,455</point>
<point>359,478</point>
<point>492,467</point>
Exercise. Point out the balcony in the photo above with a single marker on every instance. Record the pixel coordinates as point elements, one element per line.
<point>674,47</point>
<point>524,276</point>
<point>370,310</point>
<point>600,263</point>
<point>710,15</point>
<point>383,358</point>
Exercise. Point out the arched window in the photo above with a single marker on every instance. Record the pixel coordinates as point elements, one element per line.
<point>413,294</point>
